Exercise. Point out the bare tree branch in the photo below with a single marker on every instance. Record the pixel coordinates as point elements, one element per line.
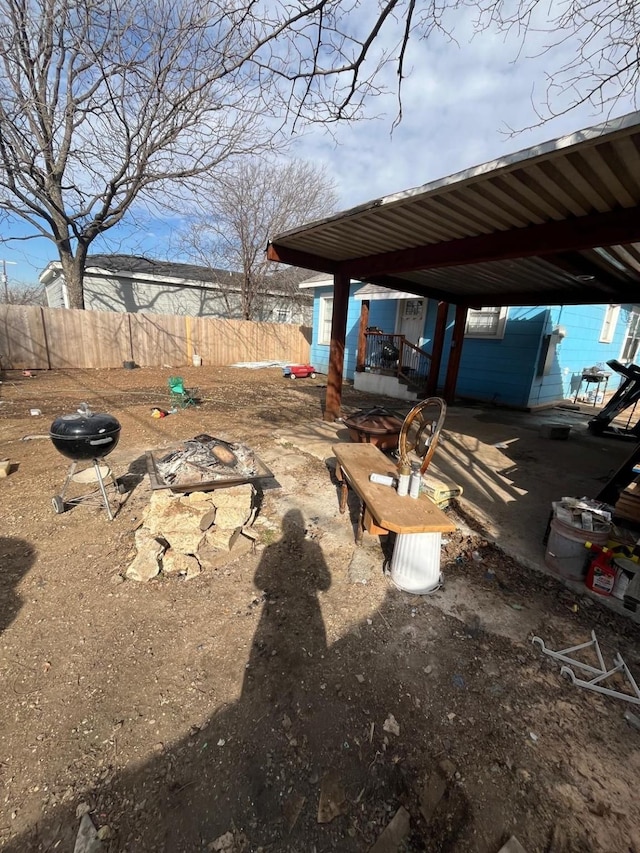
<point>257,198</point>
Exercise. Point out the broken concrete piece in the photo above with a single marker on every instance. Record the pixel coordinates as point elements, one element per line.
<point>175,563</point>
<point>194,570</point>
<point>180,526</point>
<point>146,564</point>
<point>5,467</point>
<point>291,809</point>
<point>432,792</point>
<point>87,840</point>
<point>233,506</point>
<point>332,797</point>
<point>512,846</point>
<point>391,725</point>
<point>224,844</point>
<point>394,833</point>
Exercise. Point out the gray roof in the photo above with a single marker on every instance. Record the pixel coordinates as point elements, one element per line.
<point>140,265</point>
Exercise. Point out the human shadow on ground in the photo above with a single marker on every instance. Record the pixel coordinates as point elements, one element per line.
<point>16,558</point>
<point>310,727</point>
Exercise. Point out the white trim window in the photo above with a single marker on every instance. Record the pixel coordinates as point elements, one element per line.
<point>611,314</point>
<point>632,337</point>
<point>326,313</point>
<point>282,314</point>
<point>486,323</point>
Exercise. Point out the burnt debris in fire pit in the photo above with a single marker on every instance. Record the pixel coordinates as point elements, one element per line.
<point>204,462</point>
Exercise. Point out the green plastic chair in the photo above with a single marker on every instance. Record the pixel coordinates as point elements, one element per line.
<point>179,395</point>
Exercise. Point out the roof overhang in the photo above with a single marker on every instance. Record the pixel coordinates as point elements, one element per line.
<point>558,223</point>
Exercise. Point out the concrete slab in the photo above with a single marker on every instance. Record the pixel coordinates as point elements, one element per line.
<point>508,471</point>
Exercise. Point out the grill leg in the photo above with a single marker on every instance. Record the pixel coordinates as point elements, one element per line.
<point>72,471</point>
<point>107,506</point>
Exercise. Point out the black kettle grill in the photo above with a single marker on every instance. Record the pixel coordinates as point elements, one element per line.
<point>86,436</point>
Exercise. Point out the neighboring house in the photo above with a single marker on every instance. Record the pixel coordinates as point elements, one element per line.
<point>136,284</point>
<point>519,356</point>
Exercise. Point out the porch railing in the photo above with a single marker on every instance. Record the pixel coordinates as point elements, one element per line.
<point>395,356</point>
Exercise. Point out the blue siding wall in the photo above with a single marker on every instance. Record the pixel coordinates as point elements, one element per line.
<point>320,352</point>
<point>501,371</point>
<point>579,349</point>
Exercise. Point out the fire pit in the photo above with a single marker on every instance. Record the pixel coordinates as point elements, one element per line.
<point>375,426</point>
<point>204,463</point>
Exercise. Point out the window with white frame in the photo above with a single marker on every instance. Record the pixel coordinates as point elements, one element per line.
<point>282,314</point>
<point>326,313</point>
<point>632,337</point>
<point>609,324</point>
<point>486,323</point>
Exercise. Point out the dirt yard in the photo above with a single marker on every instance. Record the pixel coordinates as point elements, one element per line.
<point>272,703</point>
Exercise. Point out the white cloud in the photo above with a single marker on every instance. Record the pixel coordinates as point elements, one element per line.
<point>459,104</point>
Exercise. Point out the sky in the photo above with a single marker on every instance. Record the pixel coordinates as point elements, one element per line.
<point>461,102</point>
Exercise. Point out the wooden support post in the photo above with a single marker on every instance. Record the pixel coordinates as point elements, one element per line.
<point>437,348</point>
<point>456,353</point>
<point>333,399</point>
<point>362,338</point>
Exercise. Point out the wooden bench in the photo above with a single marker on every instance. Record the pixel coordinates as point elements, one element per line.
<point>383,510</point>
<point>418,522</point>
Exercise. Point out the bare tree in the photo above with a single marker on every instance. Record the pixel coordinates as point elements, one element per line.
<point>23,294</point>
<point>601,39</point>
<point>106,106</point>
<point>255,199</point>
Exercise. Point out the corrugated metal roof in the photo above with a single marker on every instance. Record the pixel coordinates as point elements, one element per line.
<point>594,171</point>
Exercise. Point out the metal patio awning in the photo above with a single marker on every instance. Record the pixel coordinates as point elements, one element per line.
<point>557,223</point>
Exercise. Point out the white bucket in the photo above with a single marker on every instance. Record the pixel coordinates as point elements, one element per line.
<point>415,564</point>
<point>197,360</point>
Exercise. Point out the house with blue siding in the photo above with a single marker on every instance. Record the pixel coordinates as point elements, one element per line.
<point>521,357</point>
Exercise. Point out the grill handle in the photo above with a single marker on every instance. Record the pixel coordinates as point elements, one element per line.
<point>95,441</point>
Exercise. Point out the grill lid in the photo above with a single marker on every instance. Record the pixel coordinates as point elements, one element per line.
<point>84,424</point>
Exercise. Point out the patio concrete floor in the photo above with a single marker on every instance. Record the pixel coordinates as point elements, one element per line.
<point>508,472</point>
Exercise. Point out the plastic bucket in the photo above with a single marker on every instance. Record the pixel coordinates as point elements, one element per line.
<point>415,564</point>
<point>566,554</point>
<point>197,360</point>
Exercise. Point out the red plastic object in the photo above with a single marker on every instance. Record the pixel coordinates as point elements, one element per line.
<point>302,371</point>
<point>601,576</point>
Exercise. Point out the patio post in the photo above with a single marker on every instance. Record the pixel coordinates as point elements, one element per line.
<point>362,338</point>
<point>333,400</point>
<point>453,365</point>
<point>437,348</point>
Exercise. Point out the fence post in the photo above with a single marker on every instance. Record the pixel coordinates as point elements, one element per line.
<point>46,339</point>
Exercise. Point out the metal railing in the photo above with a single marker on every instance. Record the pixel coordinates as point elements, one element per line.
<point>395,356</point>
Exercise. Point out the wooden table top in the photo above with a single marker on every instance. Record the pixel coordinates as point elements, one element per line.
<point>387,508</point>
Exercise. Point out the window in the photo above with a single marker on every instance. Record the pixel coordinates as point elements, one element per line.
<point>486,323</point>
<point>609,324</point>
<point>632,338</point>
<point>413,309</point>
<point>282,315</point>
<point>326,312</point>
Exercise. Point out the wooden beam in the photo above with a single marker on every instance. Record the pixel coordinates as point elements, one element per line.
<point>455,355</point>
<point>296,258</point>
<point>583,232</point>
<point>437,348</point>
<point>362,338</point>
<point>333,401</point>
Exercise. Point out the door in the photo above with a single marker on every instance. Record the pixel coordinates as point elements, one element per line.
<point>410,319</point>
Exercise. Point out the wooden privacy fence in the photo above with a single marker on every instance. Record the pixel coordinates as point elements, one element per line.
<point>50,338</point>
